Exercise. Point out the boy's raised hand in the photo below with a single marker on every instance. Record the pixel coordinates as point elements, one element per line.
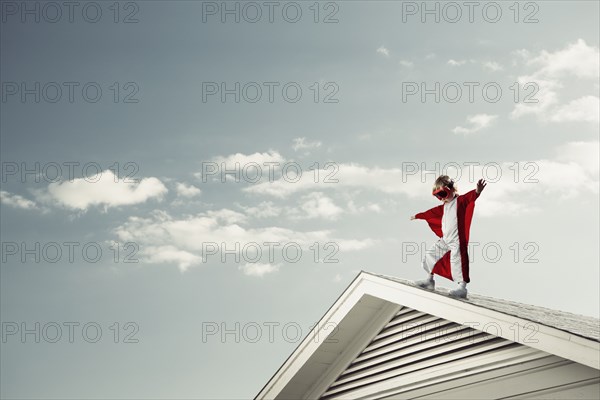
<point>412,217</point>
<point>481,185</point>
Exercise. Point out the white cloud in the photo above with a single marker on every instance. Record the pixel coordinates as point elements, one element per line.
<point>572,168</point>
<point>301,144</point>
<point>171,254</point>
<point>354,244</point>
<point>408,64</point>
<point>566,179</point>
<point>576,59</point>
<point>543,97</point>
<point>572,173</point>
<point>554,71</point>
<point>384,51</point>
<point>370,207</point>
<point>188,191</point>
<point>477,122</point>
<point>586,108</point>
<point>254,163</point>
<point>536,181</point>
<point>317,205</point>
<point>585,154</point>
<point>492,207</point>
<point>104,189</point>
<point>227,216</point>
<point>522,54</point>
<point>492,66</point>
<point>16,201</point>
<point>258,269</point>
<point>259,158</point>
<point>314,205</point>
<point>264,209</point>
<point>455,63</point>
<point>346,175</point>
<point>190,240</point>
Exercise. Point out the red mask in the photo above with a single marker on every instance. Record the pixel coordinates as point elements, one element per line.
<point>442,193</point>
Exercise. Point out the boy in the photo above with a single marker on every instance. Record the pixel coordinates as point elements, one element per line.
<point>451,222</point>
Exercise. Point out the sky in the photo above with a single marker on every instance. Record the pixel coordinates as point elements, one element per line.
<point>187,186</point>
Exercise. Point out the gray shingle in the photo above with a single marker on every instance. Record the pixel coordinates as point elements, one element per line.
<point>581,325</point>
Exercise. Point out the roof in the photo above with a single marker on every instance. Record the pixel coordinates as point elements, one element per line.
<point>581,325</point>
<point>372,301</point>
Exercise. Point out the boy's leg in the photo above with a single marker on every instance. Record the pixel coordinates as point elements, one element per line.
<point>456,262</point>
<point>432,256</point>
<point>457,272</point>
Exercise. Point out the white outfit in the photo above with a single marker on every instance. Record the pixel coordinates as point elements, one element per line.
<point>448,242</point>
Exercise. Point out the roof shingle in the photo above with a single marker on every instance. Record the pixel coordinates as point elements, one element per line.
<point>581,325</point>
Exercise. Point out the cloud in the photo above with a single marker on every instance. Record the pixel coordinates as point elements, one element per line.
<point>242,159</point>
<point>104,189</point>
<point>187,191</point>
<point>227,216</point>
<point>408,64</point>
<point>586,154</point>
<point>16,201</point>
<point>524,186</point>
<point>544,97</point>
<point>261,162</point>
<point>218,236</point>
<point>515,192</point>
<point>264,209</point>
<point>301,144</point>
<point>493,207</point>
<point>318,205</point>
<point>370,207</point>
<point>566,179</point>
<point>258,269</point>
<point>354,244</point>
<point>492,66</point>
<point>342,177</point>
<point>384,51</point>
<point>314,205</point>
<point>553,72</point>
<point>455,63</point>
<point>576,59</point>
<point>477,122</point>
<point>171,254</point>
<point>573,172</point>
<point>586,109</point>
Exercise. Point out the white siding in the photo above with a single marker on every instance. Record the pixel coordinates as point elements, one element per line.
<point>419,355</point>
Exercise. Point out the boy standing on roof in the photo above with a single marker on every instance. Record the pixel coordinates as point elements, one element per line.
<point>451,222</point>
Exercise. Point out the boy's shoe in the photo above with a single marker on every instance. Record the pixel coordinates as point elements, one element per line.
<point>460,292</point>
<point>428,284</point>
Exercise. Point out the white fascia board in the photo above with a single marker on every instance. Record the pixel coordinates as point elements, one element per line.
<point>308,346</point>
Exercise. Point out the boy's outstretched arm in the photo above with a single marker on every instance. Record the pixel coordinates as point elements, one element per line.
<point>435,212</point>
<point>471,196</point>
<point>433,218</point>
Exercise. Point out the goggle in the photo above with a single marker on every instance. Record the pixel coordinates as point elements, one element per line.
<point>442,193</point>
